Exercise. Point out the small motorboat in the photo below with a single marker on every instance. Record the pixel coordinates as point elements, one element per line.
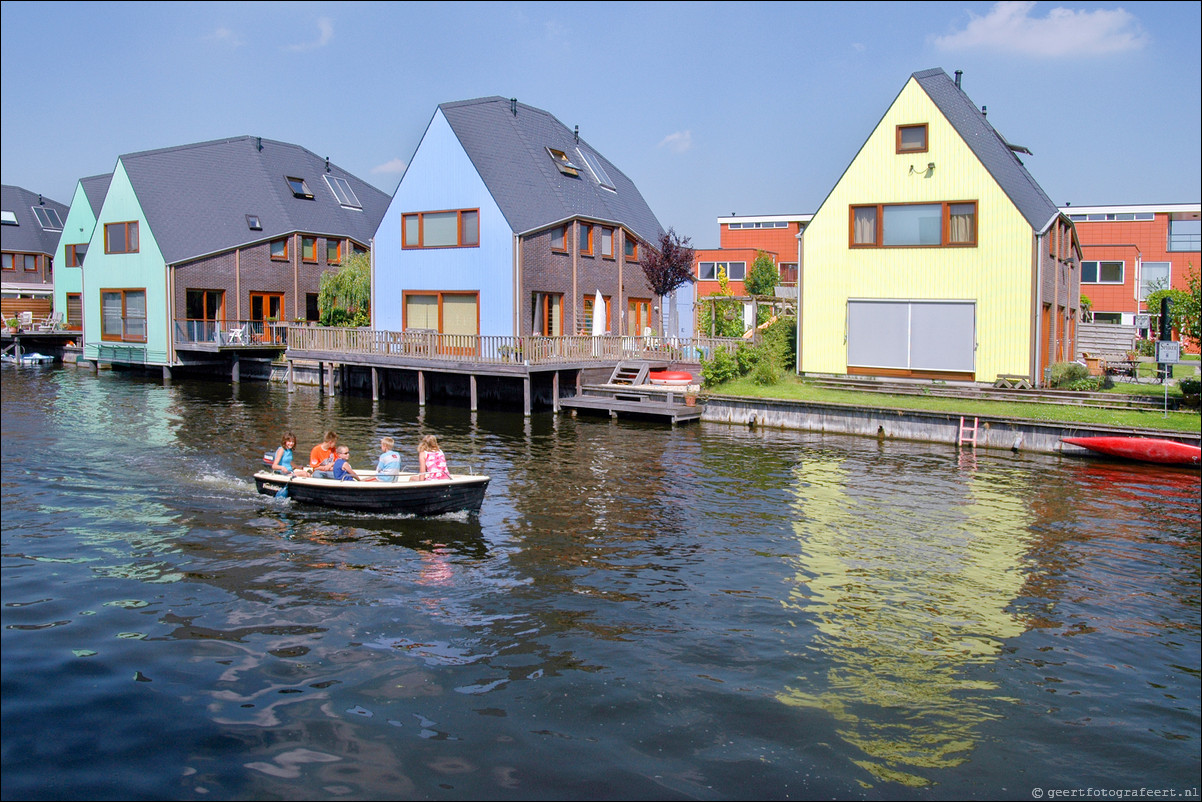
<point>460,493</point>
<point>29,359</point>
<point>670,378</point>
<point>1143,449</point>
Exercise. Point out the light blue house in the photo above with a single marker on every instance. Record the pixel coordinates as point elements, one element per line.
<point>507,223</point>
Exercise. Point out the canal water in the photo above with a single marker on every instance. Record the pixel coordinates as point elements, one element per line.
<point>638,611</point>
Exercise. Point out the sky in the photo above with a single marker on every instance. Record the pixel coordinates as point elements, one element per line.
<point>712,109</point>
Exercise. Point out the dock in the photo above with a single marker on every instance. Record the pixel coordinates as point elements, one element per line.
<point>629,393</point>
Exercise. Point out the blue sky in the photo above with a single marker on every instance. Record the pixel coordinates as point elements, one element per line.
<point>710,108</point>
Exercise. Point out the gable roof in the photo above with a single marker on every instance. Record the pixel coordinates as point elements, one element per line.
<point>196,198</point>
<point>994,153</point>
<point>94,189</point>
<point>507,143</point>
<point>28,235</point>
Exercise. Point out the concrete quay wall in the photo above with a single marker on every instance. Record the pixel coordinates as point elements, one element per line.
<point>1014,434</point>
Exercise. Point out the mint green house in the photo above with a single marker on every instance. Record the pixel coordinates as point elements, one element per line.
<point>200,255</point>
<point>73,248</point>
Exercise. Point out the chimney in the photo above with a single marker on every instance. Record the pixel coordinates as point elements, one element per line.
<point>958,74</point>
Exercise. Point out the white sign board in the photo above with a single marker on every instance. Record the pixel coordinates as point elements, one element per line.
<point>1168,353</point>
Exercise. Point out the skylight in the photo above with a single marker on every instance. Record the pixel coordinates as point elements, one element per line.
<point>563,162</point>
<point>8,218</point>
<point>343,192</point>
<point>594,166</point>
<point>299,188</point>
<point>48,218</point>
<point>252,222</point>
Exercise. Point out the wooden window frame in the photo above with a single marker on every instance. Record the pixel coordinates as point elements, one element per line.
<point>8,261</point>
<point>37,260</point>
<point>124,337</point>
<point>636,308</point>
<point>421,229</point>
<point>439,295</point>
<point>562,231</point>
<point>336,257</point>
<point>130,225</point>
<point>309,244</point>
<point>545,330</point>
<point>586,239</point>
<point>926,138</point>
<point>630,247</point>
<point>590,301</point>
<point>607,230</point>
<point>945,224</point>
<point>282,257</point>
<point>72,256</point>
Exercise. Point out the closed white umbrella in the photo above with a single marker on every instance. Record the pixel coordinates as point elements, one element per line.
<point>598,315</point>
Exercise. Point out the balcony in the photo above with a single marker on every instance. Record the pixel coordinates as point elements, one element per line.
<point>210,335</point>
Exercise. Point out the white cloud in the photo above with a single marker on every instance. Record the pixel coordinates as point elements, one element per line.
<point>325,27</point>
<point>678,142</point>
<point>1009,27</point>
<point>225,36</point>
<point>394,167</point>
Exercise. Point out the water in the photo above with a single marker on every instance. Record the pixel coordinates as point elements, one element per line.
<point>638,612</point>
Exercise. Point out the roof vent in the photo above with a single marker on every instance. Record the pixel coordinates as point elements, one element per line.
<point>513,106</point>
<point>327,164</point>
<point>576,134</point>
<point>984,111</point>
<point>259,143</point>
<point>958,74</point>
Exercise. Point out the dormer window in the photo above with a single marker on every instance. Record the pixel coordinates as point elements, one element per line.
<point>299,188</point>
<point>912,138</point>
<point>8,218</point>
<point>563,162</point>
<point>252,222</point>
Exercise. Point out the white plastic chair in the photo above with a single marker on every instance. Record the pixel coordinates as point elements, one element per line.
<point>237,335</point>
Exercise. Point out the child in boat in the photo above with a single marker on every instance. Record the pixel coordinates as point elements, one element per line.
<point>388,466</point>
<point>321,458</point>
<point>431,462</point>
<point>342,468</point>
<point>283,457</point>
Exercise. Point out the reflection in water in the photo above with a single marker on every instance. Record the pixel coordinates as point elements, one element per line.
<point>908,598</point>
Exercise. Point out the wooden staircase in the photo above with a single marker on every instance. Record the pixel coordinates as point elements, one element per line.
<point>631,373</point>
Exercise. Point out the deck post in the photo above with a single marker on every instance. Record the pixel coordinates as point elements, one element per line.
<point>375,384</point>
<point>526,395</point>
<point>471,379</point>
<point>291,389</point>
<point>166,373</point>
<point>421,388</point>
<point>555,391</point>
<point>330,378</point>
<point>236,371</point>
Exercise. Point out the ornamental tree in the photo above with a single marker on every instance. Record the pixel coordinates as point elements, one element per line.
<point>667,267</point>
<point>344,298</point>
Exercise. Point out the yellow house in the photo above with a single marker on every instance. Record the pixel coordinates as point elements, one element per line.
<point>937,255</point>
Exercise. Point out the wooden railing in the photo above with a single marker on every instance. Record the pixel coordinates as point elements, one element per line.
<point>428,345</point>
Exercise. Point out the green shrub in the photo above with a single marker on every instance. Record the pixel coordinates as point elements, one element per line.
<point>720,369</point>
<point>1190,386</point>
<point>1066,373</point>
<point>1145,347</point>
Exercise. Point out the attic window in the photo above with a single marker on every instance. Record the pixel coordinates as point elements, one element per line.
<point>912,138</point>
<point>48,218</point>
<point>343,192</point>
<point>563,162</point>
<point>252,222</point>
<point>299,188</point>
<point>8,218</point>
<point>594,166</point>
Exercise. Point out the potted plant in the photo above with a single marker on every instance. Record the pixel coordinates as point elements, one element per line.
<point>1191,388</point>
<point>13,324</point>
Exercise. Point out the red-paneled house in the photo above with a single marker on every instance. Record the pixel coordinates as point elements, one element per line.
<point>741,238</point>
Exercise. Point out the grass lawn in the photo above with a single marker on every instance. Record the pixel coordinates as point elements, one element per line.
<point>792,388</point>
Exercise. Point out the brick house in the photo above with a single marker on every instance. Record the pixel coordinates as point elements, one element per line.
<point>199,247</point>
<point>507,223</point>
<point>29,231</point>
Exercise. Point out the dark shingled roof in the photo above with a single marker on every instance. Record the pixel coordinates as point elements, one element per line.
<point>196,197</point>
<point>989,146</point>
<point>28,236</point>
<point>509,151</point>
<point>94,189</point>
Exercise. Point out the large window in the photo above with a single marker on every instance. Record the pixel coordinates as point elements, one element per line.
<point>735,271</point>
<point>638,316</point>
<point>1101,272</point>
<point>279,249</point>
<point>333,251</point>
<point>1154,276</point>
<point>607,243</point>
<point>547,310</point>
<point>600,314</point>
<point>586,239</point>
<point>121,237</point>
<point>445,312</point>
<point>204,312</point>
<point>1185,235</point>
<point>266,306</point>
<point>48,218</point>
<point>929,225</point>
<point>450,229</point>
<point>309,249</point>
<point>123,315</point>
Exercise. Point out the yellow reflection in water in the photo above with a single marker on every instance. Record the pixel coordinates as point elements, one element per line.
<point>908,580</point>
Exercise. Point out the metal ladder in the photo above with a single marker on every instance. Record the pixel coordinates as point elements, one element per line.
<point>968,434</point>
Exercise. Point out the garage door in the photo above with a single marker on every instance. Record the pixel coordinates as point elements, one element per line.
<point>917,336</point>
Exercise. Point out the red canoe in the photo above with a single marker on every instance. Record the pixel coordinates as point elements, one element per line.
<point>1144,449</point>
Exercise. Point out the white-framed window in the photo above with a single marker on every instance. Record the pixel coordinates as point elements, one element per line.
<point>1154,276</point>
<point>594,166</point>
<point>1100,272</point>
<point>708,271</point>
<point>48,218</point>
<point>343,192</point>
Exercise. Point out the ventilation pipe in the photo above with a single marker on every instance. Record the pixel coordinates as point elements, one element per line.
<point>576,134</point>
<point>958,74</point>
<point>327,164</point>
<point>513,106</point>
<point>259,143</point>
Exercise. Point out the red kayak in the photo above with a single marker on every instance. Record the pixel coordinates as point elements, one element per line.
<point>1144,449</point>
